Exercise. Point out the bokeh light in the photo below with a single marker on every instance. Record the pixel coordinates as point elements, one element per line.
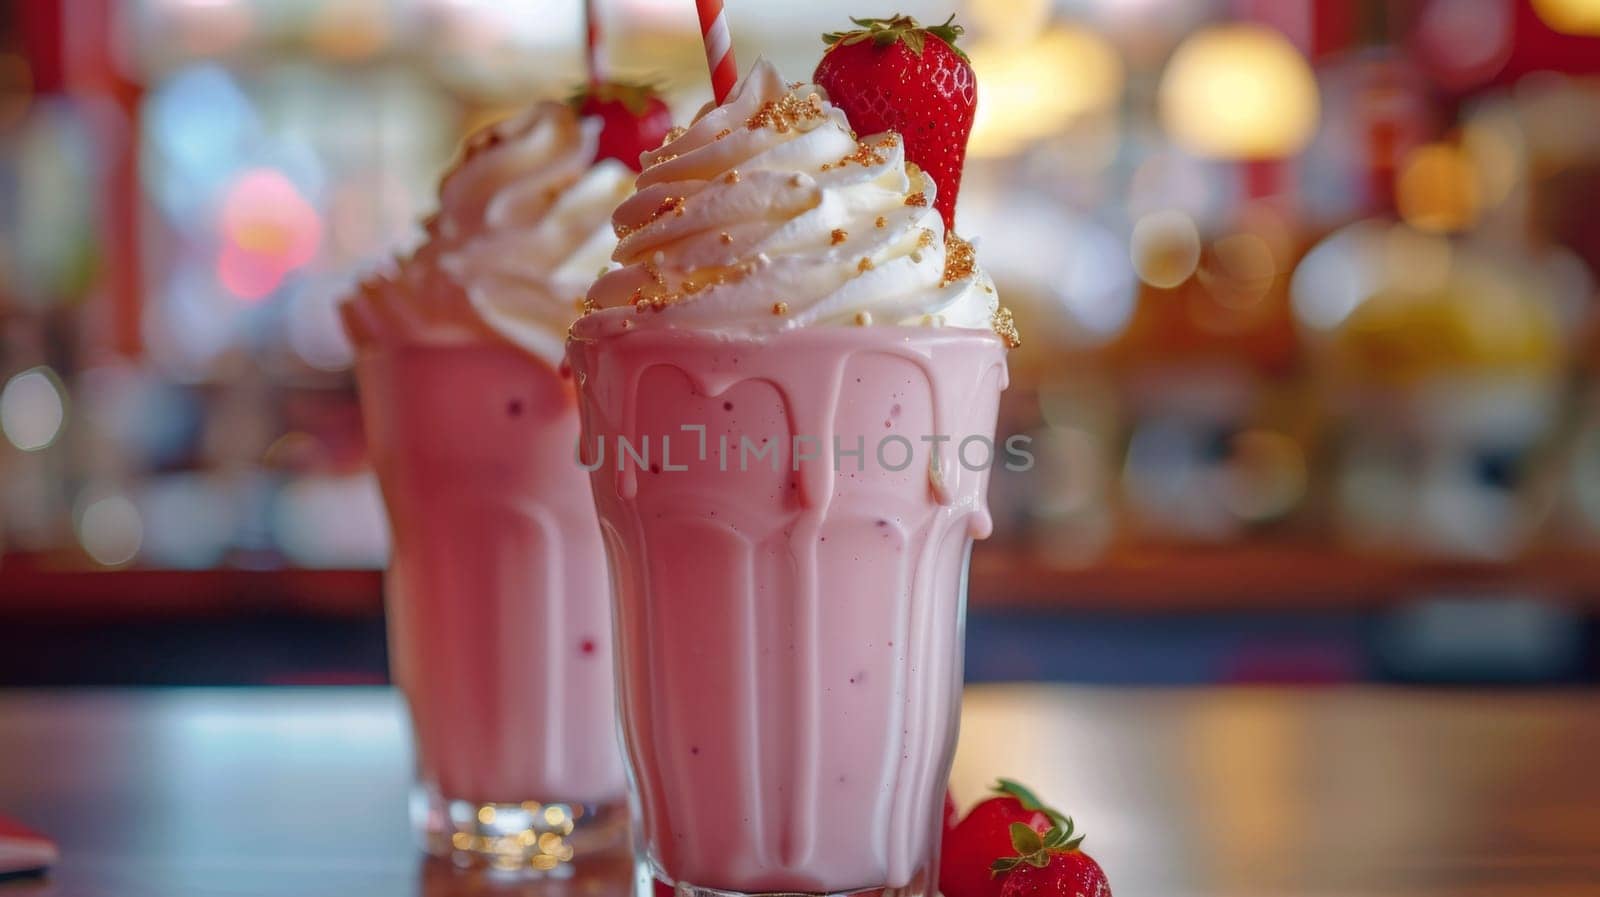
<point>198,123</point>
<point>1570,16</point>
<point>1239,92</point>
<point>192,520</point>
<point>1008,20</point>
<point>32,409</point>
<point>269,229</point>
<point>1437,189</point>
<point>1165,248</point>
<point>331,521</point>
<point>110,529</point>
<point>1465,42</point>
<point>1032,90</point>
<point>1358,261</point>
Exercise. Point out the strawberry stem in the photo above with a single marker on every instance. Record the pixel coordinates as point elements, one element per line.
<point>1032,848</point>
<point>633,95</point>
<point>898,28</point>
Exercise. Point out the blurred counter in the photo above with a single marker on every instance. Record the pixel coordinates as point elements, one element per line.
<point>1243,793</point>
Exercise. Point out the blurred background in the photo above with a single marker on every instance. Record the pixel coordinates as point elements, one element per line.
<point>1308,291</point>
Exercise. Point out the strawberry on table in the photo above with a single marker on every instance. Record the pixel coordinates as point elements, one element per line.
<point>635,119</point>
<point>1050,865</point>
<point>896,75</point>
<point>972,847</point>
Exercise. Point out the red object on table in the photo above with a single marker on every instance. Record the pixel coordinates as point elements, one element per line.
<point>23,850</point>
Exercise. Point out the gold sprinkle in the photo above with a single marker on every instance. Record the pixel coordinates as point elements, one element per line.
<point>662,160</point>
<point>863,318</point>
<point>626,323</point>
<point>959,259</point>
<point>723,133</point>
<point>674,133</point>
<point>785,112</point>
<point>670,204</point>
<point>725,237</point>
<point>865,154</point>
<point>925,239</point>
<point>917,199</point>
<point>780,308</point>
<point>864,265</point>
<point>881,222</point>
<point>840,235</point>
<point>796,180</point>
<point>1005,325</point>
<point>731,177</point>
<point>827,166</point>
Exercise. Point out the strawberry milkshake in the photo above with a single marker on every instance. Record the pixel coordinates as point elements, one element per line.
<point>499,624</point>
<point>789,389</point>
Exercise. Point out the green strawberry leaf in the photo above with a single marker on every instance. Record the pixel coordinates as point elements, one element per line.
<point>886,32</point>
<point>1004,864</point>
<point>1025,839</point>
<point>634,95</point>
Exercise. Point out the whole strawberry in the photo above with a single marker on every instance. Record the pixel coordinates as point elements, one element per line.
<point>635,120</point>
<point>972,846</point>
<point>1050,865</point>
<point>895,75</point>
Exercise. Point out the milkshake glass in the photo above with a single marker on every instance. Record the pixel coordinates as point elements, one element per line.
<point>499,624</point>
<point>790,450</point>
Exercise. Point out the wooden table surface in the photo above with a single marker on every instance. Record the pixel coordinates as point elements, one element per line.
<point>1236,793</point>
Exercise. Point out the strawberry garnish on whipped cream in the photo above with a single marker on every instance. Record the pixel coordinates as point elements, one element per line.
<point>771,212</point>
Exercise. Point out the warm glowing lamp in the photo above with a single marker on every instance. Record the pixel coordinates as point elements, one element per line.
<point>1239,92</point>
<point>1570,16</point>
<point>1033,89</point>
<point>1437,189</point>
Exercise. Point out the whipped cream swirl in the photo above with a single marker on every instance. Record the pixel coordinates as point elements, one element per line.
<point>523,226</point>
<point>769,213</point>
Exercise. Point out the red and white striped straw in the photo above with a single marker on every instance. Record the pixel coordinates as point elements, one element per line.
<point>719,47</point>
<point>591,46</point>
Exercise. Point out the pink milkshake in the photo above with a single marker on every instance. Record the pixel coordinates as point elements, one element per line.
<point>789,392</point>
<point>499,623</point>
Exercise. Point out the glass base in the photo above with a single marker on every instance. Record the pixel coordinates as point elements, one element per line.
<point>919,886</point>
<point>532,837</point>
